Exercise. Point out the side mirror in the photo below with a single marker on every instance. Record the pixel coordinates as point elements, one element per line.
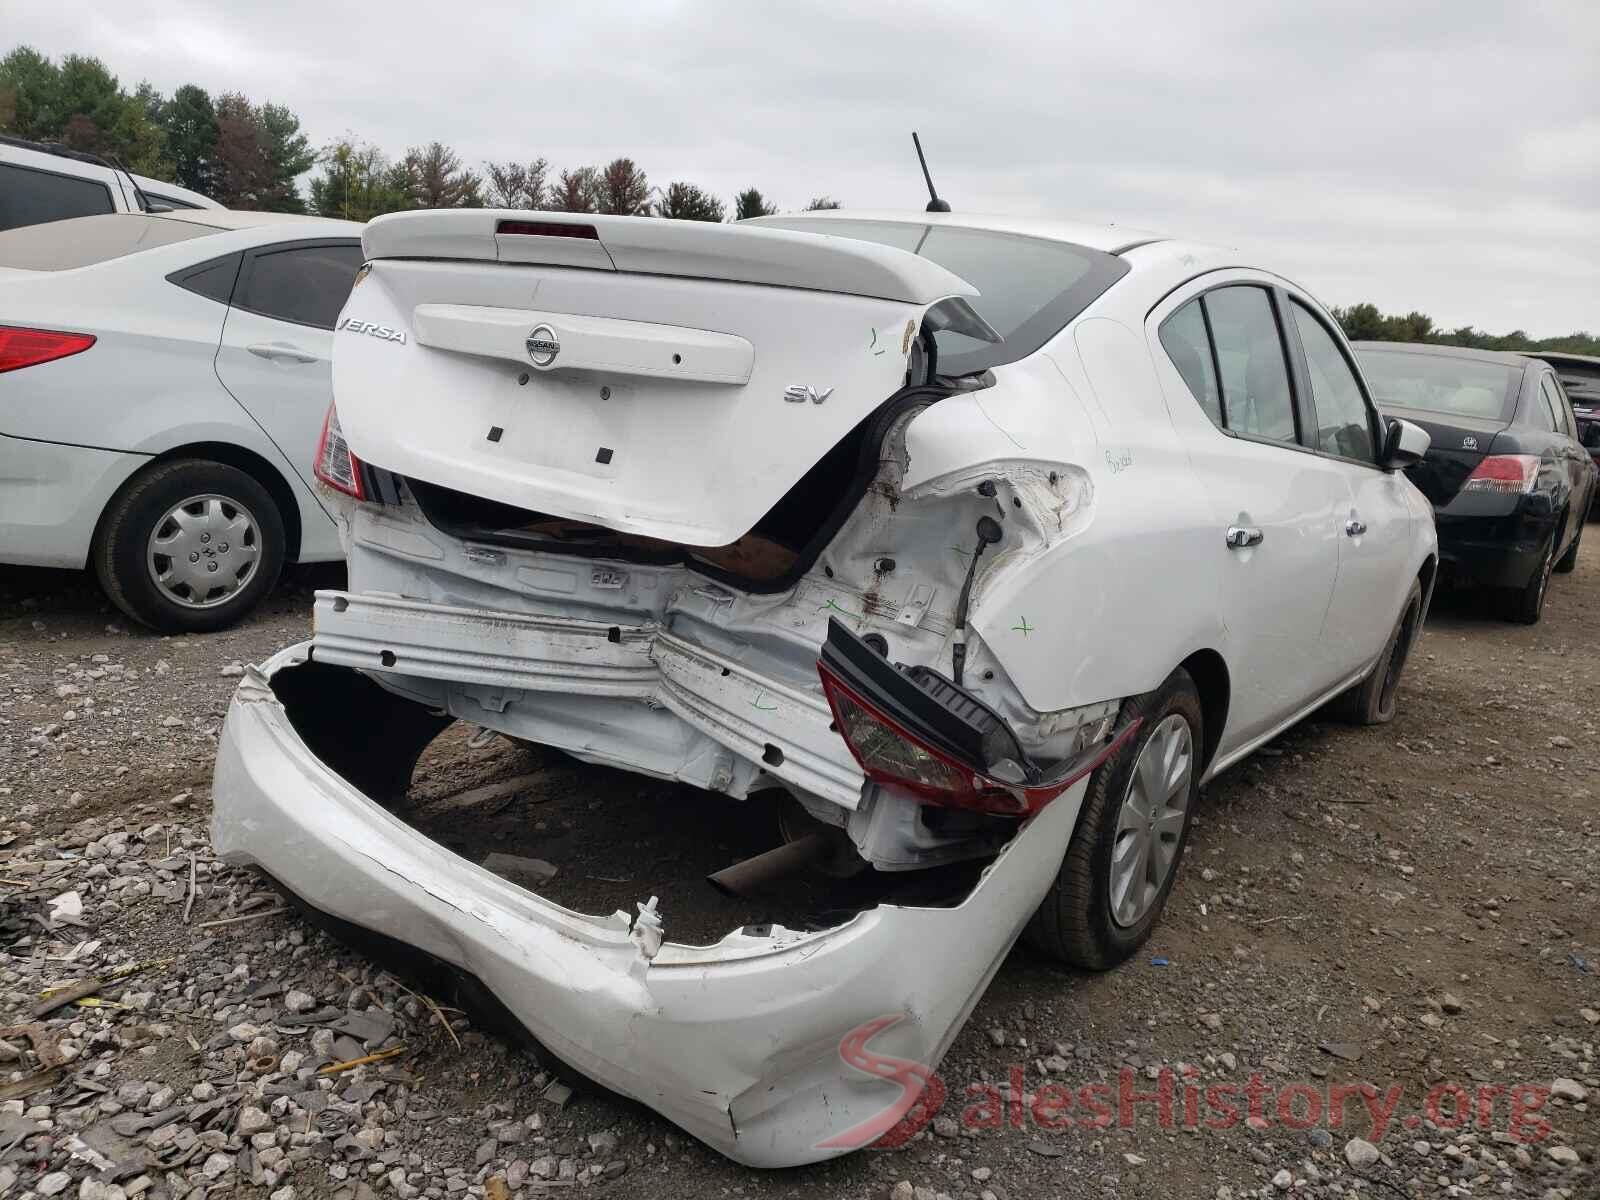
<point>1403,444</point>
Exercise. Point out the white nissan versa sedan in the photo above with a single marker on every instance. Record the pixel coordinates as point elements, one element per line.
<point>163,381</point>
<point>979,541</point>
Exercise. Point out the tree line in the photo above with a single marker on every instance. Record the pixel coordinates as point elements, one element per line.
<point>1365,322</point>
<point>251,156</point>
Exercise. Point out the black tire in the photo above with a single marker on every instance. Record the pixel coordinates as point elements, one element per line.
<point>122,545</point>
<point>1568,562</point>
<point>1526,605</point>
<point>1075,922</point>
<point>1373,701</point>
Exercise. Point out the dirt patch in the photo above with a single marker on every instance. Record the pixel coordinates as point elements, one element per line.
<point>1421,897</point>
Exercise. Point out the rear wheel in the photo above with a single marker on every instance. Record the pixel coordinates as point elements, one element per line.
<point>189,546</point>
<point>1568,562</point>
<point>1373,701</point>
<point>1526,605</point>
<point>1120,865</point>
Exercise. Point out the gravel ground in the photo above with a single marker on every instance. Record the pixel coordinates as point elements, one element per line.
<point>1412,907</point>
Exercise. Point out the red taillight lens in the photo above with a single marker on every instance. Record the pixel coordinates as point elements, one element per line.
<point>29,347</point>
<point>336,464</point>
<point>1505,474</point>
<point>888,754</point>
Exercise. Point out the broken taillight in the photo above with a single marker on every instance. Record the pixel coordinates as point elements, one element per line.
<point>336,464</point>
<point>28,347</point>
<point>915,730</point>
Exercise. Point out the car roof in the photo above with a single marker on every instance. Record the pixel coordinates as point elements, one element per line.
<point>234,218</point>
<point>1505,358</point>
<point>1565,358</point>
<point>1112,239</point>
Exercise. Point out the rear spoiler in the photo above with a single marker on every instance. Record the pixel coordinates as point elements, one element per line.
<point>657,246</point>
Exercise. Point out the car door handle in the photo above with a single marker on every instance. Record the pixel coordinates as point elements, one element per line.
<point>1355,527</point>
<point>1241,536</point>
<point>281,352</point>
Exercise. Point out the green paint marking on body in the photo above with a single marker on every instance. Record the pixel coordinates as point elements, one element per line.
<point>1024,628</point>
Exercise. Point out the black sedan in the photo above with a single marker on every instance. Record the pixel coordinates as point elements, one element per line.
<point>1509,480</point>
<point>1580,376</point>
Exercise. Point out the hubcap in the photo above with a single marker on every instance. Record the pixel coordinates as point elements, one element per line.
<point>1151,820</point>
<point>204,550</point>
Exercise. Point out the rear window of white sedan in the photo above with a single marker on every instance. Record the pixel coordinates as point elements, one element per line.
<point>84,241</point>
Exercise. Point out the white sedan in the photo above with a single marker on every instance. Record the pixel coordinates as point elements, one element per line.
<point>975,546</point>
<point>163,381</point>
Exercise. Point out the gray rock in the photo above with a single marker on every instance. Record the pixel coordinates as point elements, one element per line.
<point>1564,1156</point>
<point>1360,1153</point>
<point>253,1120</point>
<point>1569,1089</point>
<point>53,1184</point>
<point>297,1001</point>
<point>1283,1180</point>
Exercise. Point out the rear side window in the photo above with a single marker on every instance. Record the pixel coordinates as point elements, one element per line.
<point>30,197</point>
<point>1343,425</point>
<point>307,285</point>
<point>84,241</point>
<point>1183,336</point>
<point>1256,399</point>
<point>213,280</point>
<point>1557,406</point>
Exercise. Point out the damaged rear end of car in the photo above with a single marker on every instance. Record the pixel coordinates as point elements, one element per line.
<point>703,504</point>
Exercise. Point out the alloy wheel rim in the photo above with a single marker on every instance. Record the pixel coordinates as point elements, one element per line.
<point>1151,820</point>
<point>203,550</point>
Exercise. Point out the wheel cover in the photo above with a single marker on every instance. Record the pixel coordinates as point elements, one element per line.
<point>204,550</point>
<point>1151,820</point>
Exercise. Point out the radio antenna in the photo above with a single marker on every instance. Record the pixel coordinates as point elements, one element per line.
<point>934,203</point>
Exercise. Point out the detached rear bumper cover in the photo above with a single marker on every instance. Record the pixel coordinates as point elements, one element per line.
<point>738,1043</point>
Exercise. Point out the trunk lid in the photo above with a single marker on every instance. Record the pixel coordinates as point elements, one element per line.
<point>667,379</point>
<point>1458,444</point>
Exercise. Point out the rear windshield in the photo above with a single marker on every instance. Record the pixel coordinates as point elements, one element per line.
<point>1031,287</point>
<point>1441,383</point>
<point>84,241</point>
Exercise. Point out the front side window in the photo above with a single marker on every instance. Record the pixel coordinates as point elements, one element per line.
<point>1256,398</point>
<point>307,285</point>
<point>1343,425</point>
<point>29,197</point>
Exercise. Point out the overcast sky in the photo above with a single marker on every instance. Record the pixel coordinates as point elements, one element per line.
<point>1438,156</point>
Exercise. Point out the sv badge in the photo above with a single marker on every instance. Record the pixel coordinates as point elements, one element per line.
<point>799,393</point>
